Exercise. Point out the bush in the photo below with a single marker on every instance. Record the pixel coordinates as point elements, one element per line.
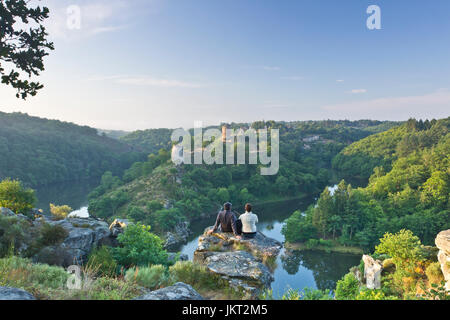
<point>347,288</point>
<point>14,234</point>
<point>139,247</point>
<point>15,197</point>
<point>149,277</point>
<point>38,279</point>
<point>60,212</point>
<point>373,295</point>
<point>51,235</point>
<point>195,275</point>
<point>102,261</point>
<point>403,247</point>
<point>434,273</point>
<point>312,243</point>
<point>104,288</point>
<point>326,243</point>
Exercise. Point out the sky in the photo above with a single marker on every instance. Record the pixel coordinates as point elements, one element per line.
<point>139,64</point>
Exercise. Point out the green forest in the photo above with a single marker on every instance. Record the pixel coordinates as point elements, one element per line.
<point>158,193</point>
<point>408,188</point>
<point>41,152</point>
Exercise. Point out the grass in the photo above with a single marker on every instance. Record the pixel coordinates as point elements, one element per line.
<point>50,283</point>
<point>336,247</point>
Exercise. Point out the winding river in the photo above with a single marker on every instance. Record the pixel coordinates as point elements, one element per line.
<point>295,269</point>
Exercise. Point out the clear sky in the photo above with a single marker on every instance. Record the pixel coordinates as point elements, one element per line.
<point>138,64</point>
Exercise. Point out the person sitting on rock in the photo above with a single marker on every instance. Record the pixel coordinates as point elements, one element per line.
<point>226,220</point>
<point>249,221</point>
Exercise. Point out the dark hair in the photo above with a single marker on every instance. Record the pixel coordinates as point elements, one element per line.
<point>227,206</point>
<point>248,207</point>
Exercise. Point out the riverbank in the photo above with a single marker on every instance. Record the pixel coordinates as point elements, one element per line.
<point>334,248</point>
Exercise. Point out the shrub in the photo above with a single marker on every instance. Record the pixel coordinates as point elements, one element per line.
<point>195,275</point>
<point>403,247</point>
<point>104,288</point>
<point>38,279</point>
<point>373,295</point>
<point>14,234</point>
<point>347,288</point>
<point>326,243</point>
<point>51,235</point>
<point>312,243</point>
<point>60,212</point>
<point>102,261</point>
<point>139,247</point>
<point>434,273</point>
<point>150,277</point>
<point>15,197</point>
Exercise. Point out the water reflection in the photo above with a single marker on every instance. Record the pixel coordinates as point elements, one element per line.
<point>326,268</point>
<point>295,269</point>
<point>74,194</point>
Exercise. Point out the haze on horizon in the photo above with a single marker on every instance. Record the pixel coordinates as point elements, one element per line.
<point>143,64</point>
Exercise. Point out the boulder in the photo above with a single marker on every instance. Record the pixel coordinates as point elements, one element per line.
<point>261,247</point>
<point>118,226</point>
<point>372,272</point>
<point>7,293</point>
<point>179,291</point>
<point>6,212</point>
<point>239,262</point>
<point>443,243</point>
<point>83,235</point>
<point>240,265</point>
<point>173,257</point>
<point>178,236</point>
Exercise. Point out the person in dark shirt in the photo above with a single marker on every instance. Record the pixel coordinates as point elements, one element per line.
<point>226,220</point>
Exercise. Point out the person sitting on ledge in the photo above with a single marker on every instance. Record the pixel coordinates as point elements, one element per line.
<point>249,221</point>
<point>226,220</point>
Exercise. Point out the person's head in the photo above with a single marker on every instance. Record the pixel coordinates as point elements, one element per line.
<point>248,207</point>
<point>227,206</point>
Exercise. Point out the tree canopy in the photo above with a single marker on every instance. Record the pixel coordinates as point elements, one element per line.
<point>23,45</point>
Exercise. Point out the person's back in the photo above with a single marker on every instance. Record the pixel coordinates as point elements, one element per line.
<point>226,220</point>
<point>249,221</point>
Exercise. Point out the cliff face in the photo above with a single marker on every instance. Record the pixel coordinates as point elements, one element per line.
<point>243,263</point>
<point>443,243</point>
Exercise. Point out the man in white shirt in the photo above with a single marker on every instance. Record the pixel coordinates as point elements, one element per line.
<point>249,221</point>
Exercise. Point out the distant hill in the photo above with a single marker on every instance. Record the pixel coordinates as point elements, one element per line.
<point>381,149</point>
<point>115,134</point>
<point>149,141</point>
<point>40,151</point>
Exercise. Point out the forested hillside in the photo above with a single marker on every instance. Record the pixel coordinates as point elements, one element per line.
<point>188,191</point>
<point>149,141</point>
<point>380,150</point>
<point>39,151</point>
<point>409,189</point>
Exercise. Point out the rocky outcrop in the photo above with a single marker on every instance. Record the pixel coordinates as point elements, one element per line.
<point>83,235</point>
<point>7,293</point>
<point>372,272</point>
<point>178,236</point>
<point>443,243</point>
<point>240,262</point>
<point>179,291</point>
<point>118,226</point>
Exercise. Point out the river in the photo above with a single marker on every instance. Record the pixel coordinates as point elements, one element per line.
<point>295,269</point>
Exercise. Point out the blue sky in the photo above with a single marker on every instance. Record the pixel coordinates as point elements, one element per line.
<point>140,64</point>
